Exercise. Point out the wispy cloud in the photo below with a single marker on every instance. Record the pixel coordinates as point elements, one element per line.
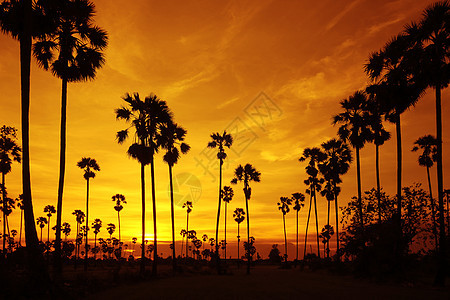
<point>339,16</point>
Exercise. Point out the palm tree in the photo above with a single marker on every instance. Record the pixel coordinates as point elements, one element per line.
<point>73,53</point>
<point>89,166</point>
<point>97,224</point>
<point>188,206</point>
<point>246,174</point>
<point>220,141</point>
<point>111,228</point>
<point>356,130</point>
<point>183,233</point>
<point>299,200</point>
<point>147,117</point>
<point>173,136</point>
<point>9,152</point>
<point>119,199</point>
<point>433,35</point>
<point>336,163</point>
<point>19,201</point>
<point>66,229</point>
<point>49,209</point>
<point>41,222</point>
<point>239,217</point>
<point>227,196</point>
<point>283,206</point>
<point>380,135</point>
<point>79,217</point>
<point>428,144</point>
<point>314,184</point>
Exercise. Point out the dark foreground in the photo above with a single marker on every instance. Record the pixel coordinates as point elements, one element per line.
<point>268,282</point>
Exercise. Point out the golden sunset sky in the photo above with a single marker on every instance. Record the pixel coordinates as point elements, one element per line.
<point>270,72</point>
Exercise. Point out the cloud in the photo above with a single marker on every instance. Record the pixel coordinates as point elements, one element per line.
<point>339,16</point>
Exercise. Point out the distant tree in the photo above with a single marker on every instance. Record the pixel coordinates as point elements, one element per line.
<point>111,228</point>
<point>220,141</point>
<point>188,206</point>
<point>97,224</point>
<point>50,210</point>
<point>247,174</point>
<point>119,199</point>
<point>283,206</point>
<point>227,196</point>
<point>66,230</point>
<point>274,254</point>
<point>41,222</point>
<point>79,216</point>
<point>183,234</point>
<point>239,217</point>
<point>19,201</point>
<point>299,200</point>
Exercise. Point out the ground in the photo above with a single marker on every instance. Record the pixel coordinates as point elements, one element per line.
<point>268,282</point>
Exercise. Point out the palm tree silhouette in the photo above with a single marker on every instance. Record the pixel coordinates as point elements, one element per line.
<point>147,117</point>
<point>89,166</point>
<point>336,163</point>
<point>314,184</point>
<point>428,144</point>
<point>220,141</point>
<point>79,216</point>
<point>433,34</point>
<point>380,135</point>
<point>66,229</point>
<point>111,228</point>
<point>239,217</point>
<point>97,224</point>
<point>23,20</point>
<point>73,53</point>
<point>19,201</point>
<point>183,233</point>
<point>299,200</point>
<point>41,222</point>
<point>173,136</point>
<point>119,199</point>
<point>356,130</point>
<point>246,174</point>
<point>49,209</point>
<point>283,206</point>
<point>9,152</point>
<point>188,206</point>
<point>227,196</point>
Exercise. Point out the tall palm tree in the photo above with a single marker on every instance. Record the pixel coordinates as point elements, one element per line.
<point>314,183</point>
<point>97,224</point>
<point>72,52</point>
<point>89,166</point>
<point>380,136</point>
<point>119,199</point>
<point>220,141</point>
<point>246,174</point>
<point>428,145</point>
<point>9,152</point>
<point>188,206</point>
<point>239,217</point>
<point>283,206</point>
<point>433,35</point>
<point>50,210</point>
<point>41,222</point>
<point>227,196</point>
<point>173,136</point>
<point>336,163</point>
<point>356,130</point>
<point>299,200</point>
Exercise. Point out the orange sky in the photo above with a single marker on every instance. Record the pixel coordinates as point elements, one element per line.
<point>210,60</point>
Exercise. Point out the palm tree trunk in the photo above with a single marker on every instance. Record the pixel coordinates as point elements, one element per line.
<point>95,247</point>
<point>87,226</point>
<point>187,235</point>
<point>41,233</point>
<point>358,178</point>
<point>328,223</point>
<point>142,266</point>
<point>377,168</point>
<point>433,212</point>
<point>155,240</point>
<point>238,257</point>
<point>4,213</point>
<point>62,168</point>
<point>399,174</point>
<point>442,263</point>
<point>285,240</point>
<point>21,221</point>
<point>225,232</point>
<point>338,256</point>
<point>317,222</point>
<point>118,219</point>
<point>218,217</point>
<point>248,231</point>
<point>48,230</point>
<point>296,256</point>
<point>172,214</point>
<point>307,223</point>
